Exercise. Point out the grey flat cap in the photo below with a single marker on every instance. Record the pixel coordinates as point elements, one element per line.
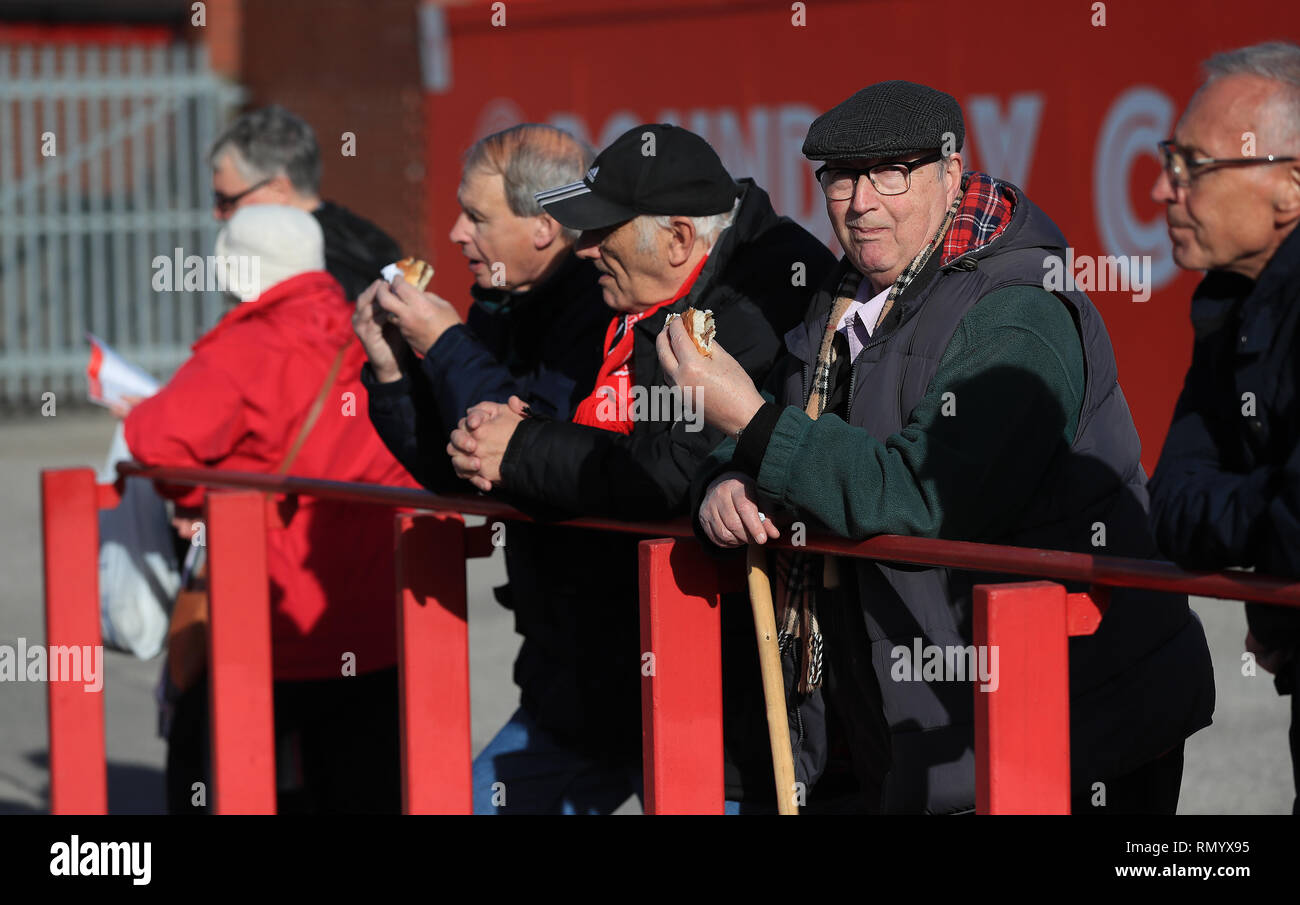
<point>885,120</point>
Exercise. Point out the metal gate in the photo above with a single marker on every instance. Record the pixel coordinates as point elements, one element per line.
<point>102,171</point>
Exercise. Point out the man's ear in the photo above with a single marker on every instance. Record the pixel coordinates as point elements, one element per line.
<point>545,231</point>
<point>956,166</point>
<point>681,240</point>
<point>1286,202</point>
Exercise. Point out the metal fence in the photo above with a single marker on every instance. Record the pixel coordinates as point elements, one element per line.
<point>102,170</point>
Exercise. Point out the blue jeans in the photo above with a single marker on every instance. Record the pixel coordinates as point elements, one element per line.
<point>524,770</point>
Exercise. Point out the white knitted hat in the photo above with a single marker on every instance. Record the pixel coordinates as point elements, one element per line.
<point>266,244</point>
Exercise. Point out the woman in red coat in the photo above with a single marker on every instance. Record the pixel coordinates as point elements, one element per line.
<point>240,403</point>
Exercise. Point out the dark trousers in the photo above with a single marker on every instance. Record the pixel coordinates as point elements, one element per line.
<point>1150,789</point>
<point>336,747</point>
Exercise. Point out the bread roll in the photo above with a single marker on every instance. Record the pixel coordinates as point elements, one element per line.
<point>699,326</point>
<point>415,272</point>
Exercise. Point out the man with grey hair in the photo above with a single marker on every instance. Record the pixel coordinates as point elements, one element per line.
<point>533,331</point>
<point>270,156</point>
<point>1226,491</point>
<point>668,229</point>
<point>937,388</point>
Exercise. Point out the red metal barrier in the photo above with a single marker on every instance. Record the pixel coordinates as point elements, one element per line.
<point>239,654</point>
<point>433,664</point>
<point>70,535</point>
<point>681,679</point>
<point>1022,727</point>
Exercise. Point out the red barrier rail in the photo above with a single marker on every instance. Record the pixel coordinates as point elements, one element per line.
<point>1021,732</point>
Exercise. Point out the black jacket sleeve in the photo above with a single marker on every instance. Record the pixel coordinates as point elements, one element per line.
<point>405,417</point>
<point>642,475</point>
<point>1204,514</point>
<point>415,415</point>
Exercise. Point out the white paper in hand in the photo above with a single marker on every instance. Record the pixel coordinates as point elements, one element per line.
<point>112,377</point>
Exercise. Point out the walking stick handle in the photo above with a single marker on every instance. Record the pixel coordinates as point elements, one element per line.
<point>769,661</point>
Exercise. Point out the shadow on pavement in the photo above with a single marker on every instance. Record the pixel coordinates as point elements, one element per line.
<point>132,789</point>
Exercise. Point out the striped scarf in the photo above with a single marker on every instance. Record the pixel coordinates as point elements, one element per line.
<point>796,572</point>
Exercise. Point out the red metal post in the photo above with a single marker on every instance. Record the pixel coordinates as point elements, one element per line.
<point>681,684</point>
<point>70,538</point>
<point>433,665</point>
<point>239,654</point>
<point>1022,727</point>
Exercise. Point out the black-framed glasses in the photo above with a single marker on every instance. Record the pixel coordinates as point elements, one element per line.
<point>224,202</point>
<point>839,183</point>
<point>1181,167</point>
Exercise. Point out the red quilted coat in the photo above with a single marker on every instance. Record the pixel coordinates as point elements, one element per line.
<point>237,404</point>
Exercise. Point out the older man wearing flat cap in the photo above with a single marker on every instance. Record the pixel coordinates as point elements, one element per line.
<point>935,388</point>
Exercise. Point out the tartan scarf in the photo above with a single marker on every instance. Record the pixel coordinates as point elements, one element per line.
<point>796,573</point>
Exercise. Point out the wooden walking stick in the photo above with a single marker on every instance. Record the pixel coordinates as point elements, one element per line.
<point>769,662</point>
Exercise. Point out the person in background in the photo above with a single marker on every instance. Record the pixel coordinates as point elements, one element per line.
<point>534,330</point>
<point>270,156</point>
<point>936,388</point>
<point>667,231</point>
<point>273,388</point>
<point>1226,490</point>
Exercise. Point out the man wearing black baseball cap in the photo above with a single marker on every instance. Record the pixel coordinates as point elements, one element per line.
<point>652,169</point>
<point>669,229</point>
<point>937,388</point>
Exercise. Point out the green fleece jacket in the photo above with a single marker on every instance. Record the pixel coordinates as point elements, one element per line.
<point>964,465</point>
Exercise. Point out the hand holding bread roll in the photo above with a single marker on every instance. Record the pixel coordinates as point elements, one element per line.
<point>415,272</point>
<point>719,385</point>
<point>699,325</point>
<point>419,313</point>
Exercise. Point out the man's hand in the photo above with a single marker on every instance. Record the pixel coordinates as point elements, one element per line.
<point>421,317</point>
<point>723,392</point>
<point>479,442</point>
<point>187,526</point>
<point>1270,660</point>
<point>123,408</point>
<point>383,344</point>
<point>729,514</point>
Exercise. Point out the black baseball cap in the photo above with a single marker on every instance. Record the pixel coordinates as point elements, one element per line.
<point>650,169</point>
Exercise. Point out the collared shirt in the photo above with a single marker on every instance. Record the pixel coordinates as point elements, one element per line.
<point>859,321</point>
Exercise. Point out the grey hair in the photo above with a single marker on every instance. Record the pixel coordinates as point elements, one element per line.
<point>707,228</point>
<point>270,142</point>
<point>1277,61</point>
<point>531,157</point>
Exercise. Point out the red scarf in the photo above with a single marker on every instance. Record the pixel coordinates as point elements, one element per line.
<point>610,403</point>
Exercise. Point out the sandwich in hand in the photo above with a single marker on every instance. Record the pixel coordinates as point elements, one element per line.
<point>413,270</point>
<point>699,326</point>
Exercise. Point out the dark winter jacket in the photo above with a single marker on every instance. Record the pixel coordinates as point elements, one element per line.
<point>544,346</point>
<point>985,409</point>
<point>355,249</point>
<point>1226,491</point>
